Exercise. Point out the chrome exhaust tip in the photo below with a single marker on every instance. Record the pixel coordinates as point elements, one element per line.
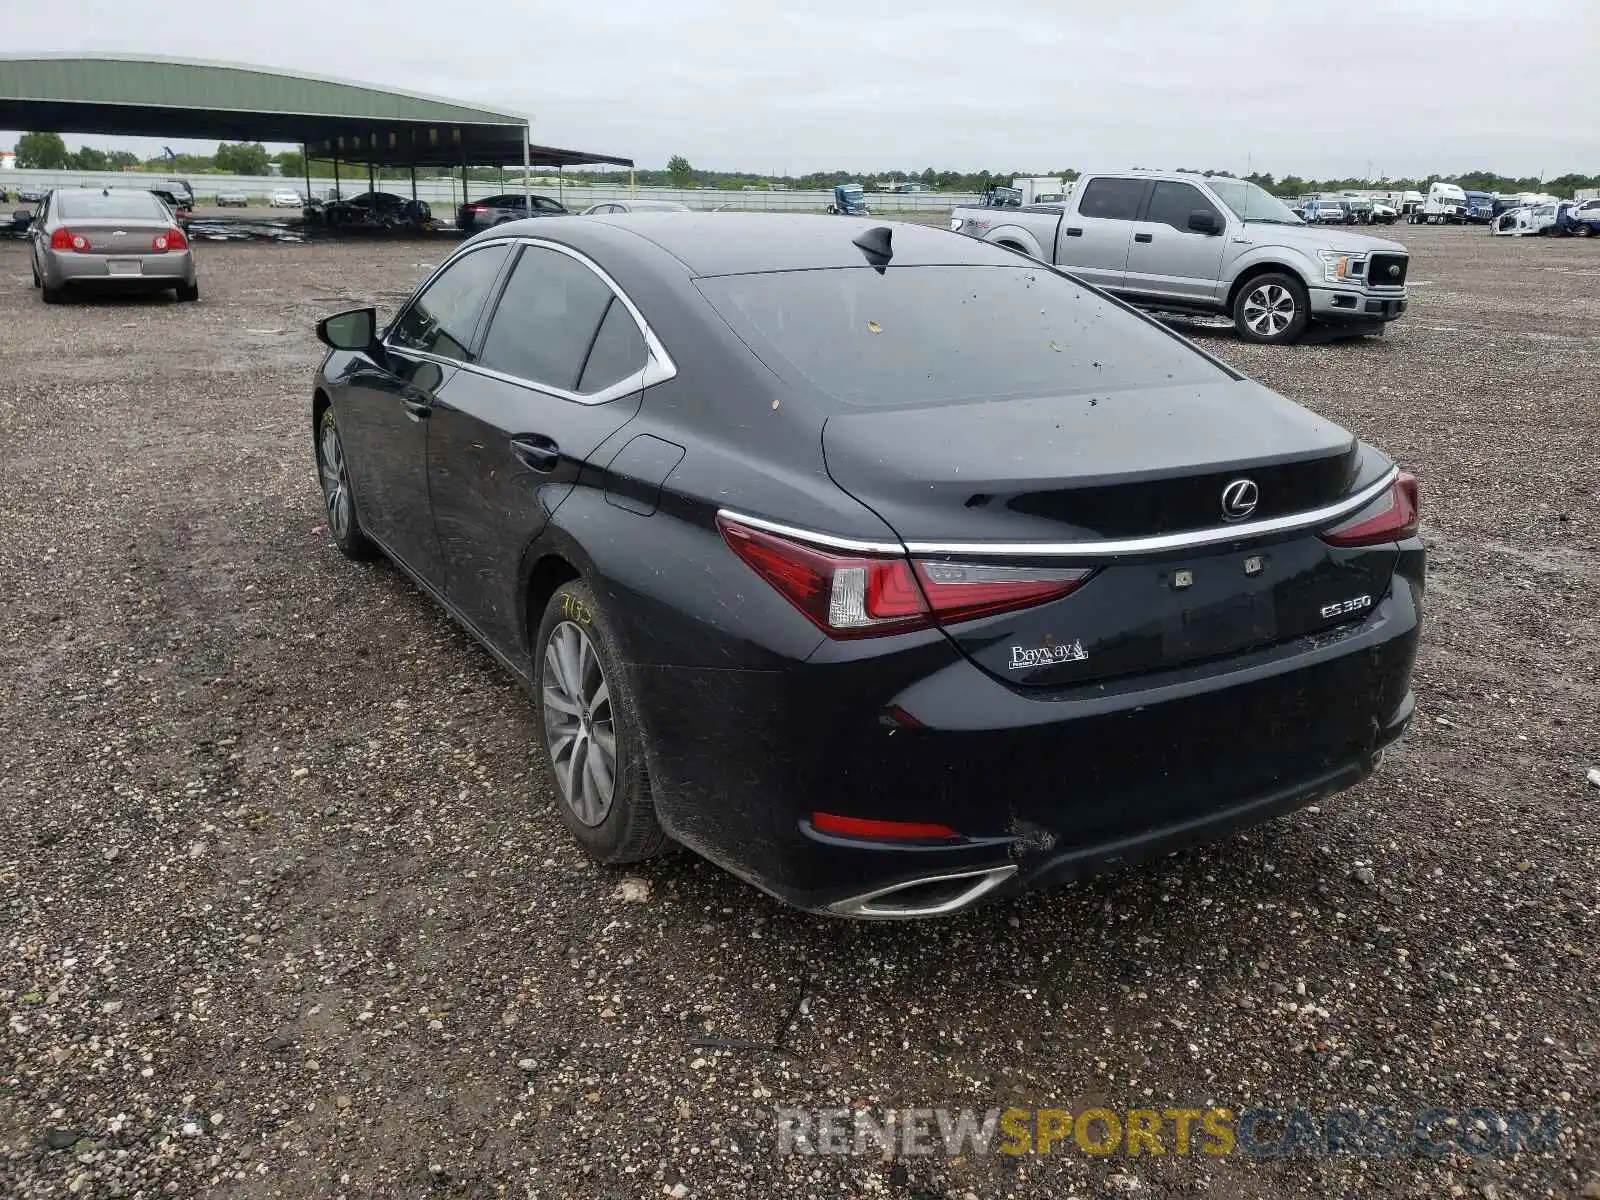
<point>934,896</point>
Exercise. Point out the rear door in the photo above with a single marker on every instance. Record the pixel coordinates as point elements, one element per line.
<point>560,369</point>
<point>1094,237</point>
<point>1166,258</point>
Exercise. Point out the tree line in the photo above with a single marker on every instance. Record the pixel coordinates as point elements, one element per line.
<point>47,151</point>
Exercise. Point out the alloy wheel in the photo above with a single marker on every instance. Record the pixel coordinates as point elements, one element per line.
<point>1268,310</point>
<point>579,726</point>
<point>335,481</point>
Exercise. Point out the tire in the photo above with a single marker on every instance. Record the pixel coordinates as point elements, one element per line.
<point>188,292</point>
<point>583,695</point>
<point>1271,309</point>
<point>1583,231</point>
<point>33,267</point>
<point>338,493</point>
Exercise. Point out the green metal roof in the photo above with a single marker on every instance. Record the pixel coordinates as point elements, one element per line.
<point>164,97</point>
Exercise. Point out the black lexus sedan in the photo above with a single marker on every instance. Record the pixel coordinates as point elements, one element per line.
<point>883,567</point>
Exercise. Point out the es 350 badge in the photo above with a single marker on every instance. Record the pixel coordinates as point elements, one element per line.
<point>1345,607</point>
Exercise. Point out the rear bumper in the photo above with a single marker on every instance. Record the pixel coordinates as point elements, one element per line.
<point>156,270</point>
<point>1041,788</point>
<point>1349,306</point>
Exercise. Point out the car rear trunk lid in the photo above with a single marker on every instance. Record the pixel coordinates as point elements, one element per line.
<point>1047,481</point>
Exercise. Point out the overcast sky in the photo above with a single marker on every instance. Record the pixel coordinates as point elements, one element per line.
<point>1317,88</point>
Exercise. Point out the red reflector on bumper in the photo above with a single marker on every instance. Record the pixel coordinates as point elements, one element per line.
<point>863,827</point>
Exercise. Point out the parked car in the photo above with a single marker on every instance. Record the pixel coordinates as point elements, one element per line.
<point>1207,244</point>
<point>32,194</point>
<point>284,198</point>
<point>382,210</point>
<point>1584,218</point>
<point>1384,213</point>
<point>1357,210</point>
<point>622,206</point>
<point>115,238</point>
<point>1318,211</point>
<point>513,206</point>
<point>888,570</point>
<point>180,205</point>
<point>1514,222</point>
<point>232,200</point>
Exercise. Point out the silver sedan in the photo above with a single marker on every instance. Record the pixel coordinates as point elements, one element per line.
<point>622,206</point>
<point>119,239</point>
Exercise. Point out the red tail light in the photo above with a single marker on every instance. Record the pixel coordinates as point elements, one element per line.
<point>172,239</point>
<point>65,239</point>
<point>1389,518</point>
<point>867,595</point>
<point>863,827</point>
<point>477,209</point>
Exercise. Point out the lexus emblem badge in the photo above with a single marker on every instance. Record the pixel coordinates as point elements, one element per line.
<point>1239,499</point>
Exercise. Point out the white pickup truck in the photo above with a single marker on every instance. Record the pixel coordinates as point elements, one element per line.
<point>1206,244</point>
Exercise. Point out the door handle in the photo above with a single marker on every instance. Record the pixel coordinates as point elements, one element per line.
<point>1143,237</point>
<point>417,410</point>
<point>536,452</point>
<point>1074,231</point>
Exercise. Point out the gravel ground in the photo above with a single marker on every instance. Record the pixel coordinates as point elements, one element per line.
<point>285,909</point>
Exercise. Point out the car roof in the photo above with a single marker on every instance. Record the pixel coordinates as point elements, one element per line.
<point>730,243</point>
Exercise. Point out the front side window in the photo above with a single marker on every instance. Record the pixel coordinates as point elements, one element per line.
<point>1252,203</point>
<point>443,319</point>
<point>1112,199</point>
<point>1171,204</point>
<point>558,325</point>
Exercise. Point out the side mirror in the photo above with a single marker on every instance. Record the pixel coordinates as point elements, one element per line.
<point>353,330</point>
<point>1203,220</point>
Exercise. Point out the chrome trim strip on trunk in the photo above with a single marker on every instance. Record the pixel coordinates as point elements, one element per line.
<point>1105,548</point>
<point>828,541</point>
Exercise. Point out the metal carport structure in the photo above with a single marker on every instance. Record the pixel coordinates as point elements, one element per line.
<point>332,119</point>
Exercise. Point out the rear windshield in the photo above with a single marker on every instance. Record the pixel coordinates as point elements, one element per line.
<point>917,336</point>
<point>127,206</point>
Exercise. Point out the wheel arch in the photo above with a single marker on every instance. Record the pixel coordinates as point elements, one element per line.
<point>320,403</point>
<point>1015,237</point>
<point>1269,266</point>
<point>546,572</point>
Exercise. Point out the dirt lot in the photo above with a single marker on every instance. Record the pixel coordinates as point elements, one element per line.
<point>285,910</point>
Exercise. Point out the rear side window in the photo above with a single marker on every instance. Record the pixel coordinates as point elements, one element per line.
<point>444,317</point>
<point>1171,204</point>
<point>127,206</point>
<point>547,206</point>
<point>916,336</point>
<point>618,351</point>
<point>552,314</point>
<point>1112,199</point>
